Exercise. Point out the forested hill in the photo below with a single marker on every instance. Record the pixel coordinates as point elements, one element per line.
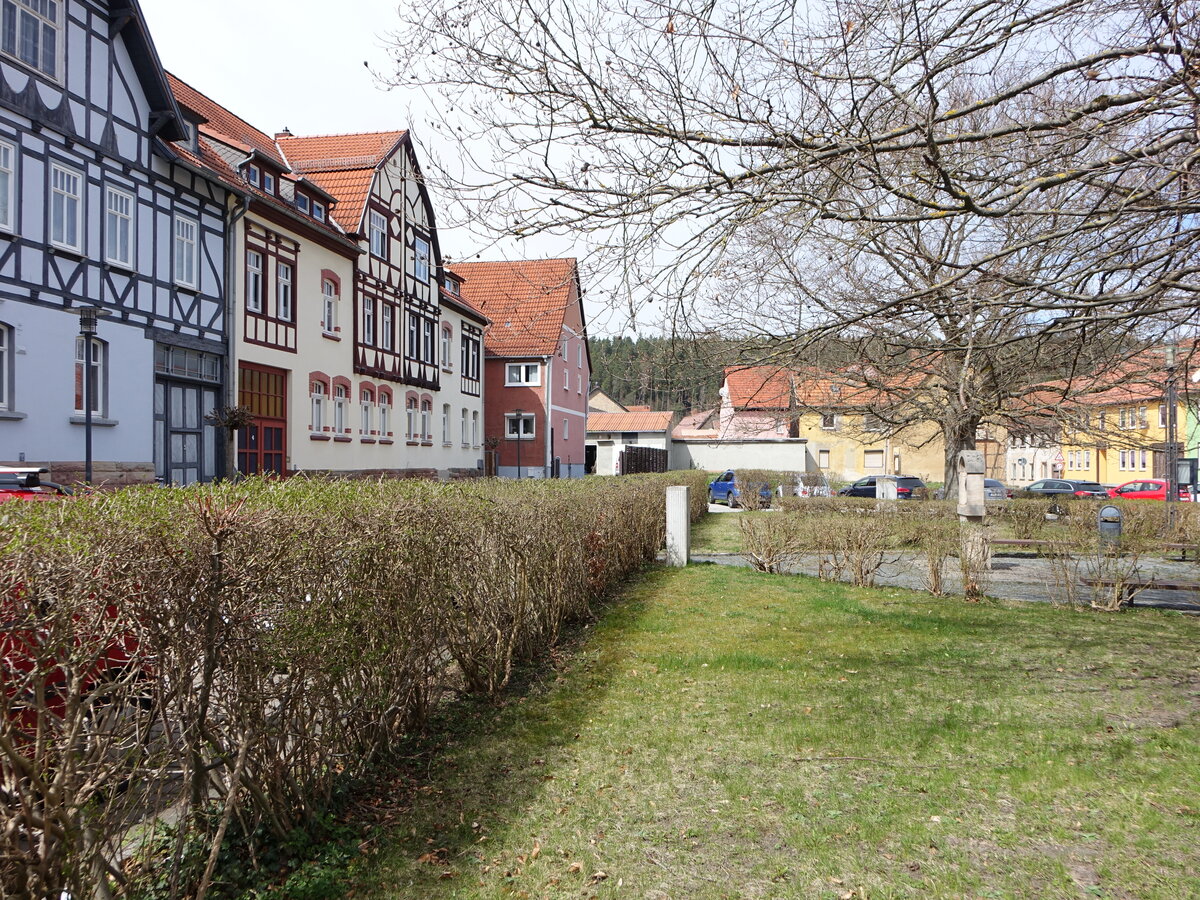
<point>662,373</point>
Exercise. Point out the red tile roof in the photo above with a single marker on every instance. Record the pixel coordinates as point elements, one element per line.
<point>221,121</point>
<point>344,165</point>
<point>527,301</point>
<point>759,387</point>
<point>630,421</point>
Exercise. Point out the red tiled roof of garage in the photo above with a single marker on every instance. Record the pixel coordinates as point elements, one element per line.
<point>630,421</point>
<point>526,300</point>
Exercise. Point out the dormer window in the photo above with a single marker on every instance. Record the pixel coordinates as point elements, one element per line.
<point>268,182</point>
<point>302,203</point>
<point>318,211</point>
<point>254,176</point>
<point>452,286</point>
<point>30,33</point>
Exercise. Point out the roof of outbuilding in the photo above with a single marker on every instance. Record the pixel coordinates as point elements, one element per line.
<point>526,300</point>
<point>759,387</point>
<point>631,421</point>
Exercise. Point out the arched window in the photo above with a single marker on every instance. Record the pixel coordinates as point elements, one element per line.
<point>319,392</point>
<point>447,342</point>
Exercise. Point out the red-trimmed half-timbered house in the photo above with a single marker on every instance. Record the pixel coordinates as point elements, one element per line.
<point>537,366</point>
<point>411,329</point>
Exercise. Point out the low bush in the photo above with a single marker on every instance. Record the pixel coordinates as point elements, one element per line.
<point>238,652</point>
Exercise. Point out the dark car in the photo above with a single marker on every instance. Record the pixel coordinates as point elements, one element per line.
<point>1062,488</point>
<point>907,487</point>
<point>995,490</point>
<point>727,489</point>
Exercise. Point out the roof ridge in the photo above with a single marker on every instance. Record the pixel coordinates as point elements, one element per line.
<point>338,134</point>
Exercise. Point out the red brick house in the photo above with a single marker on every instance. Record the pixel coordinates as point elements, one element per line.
<point>536,363</point>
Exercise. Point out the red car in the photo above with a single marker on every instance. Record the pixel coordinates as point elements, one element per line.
<point>1145,489</point>
<point>27,484</point>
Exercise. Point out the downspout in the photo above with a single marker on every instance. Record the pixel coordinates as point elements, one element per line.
<point>233,215</point>
<point>548,471</point>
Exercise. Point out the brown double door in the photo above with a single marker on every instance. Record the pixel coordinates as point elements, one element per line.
<point>262,445</point>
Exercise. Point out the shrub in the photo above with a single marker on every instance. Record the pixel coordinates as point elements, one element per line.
<point>238,652</point>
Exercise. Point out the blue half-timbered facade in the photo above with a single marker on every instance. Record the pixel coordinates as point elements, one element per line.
<point>96,207</point>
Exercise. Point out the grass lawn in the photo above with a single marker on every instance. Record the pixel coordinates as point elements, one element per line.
<point>720,532</point>
<point>724,734</point>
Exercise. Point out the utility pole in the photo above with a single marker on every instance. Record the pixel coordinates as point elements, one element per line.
<point>1172,454</point>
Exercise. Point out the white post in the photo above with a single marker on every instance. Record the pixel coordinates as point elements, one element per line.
<point>679,525</point>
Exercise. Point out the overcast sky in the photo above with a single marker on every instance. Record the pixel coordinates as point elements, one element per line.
<point>299,64</point>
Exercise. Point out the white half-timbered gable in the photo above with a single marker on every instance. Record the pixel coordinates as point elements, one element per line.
<point>96,208</point>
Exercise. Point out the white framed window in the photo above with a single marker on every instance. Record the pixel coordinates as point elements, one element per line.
<point>99,367</point>
<point>8,185</point>
<point>566,429</point>
<point>579,356</point>
<point>66,207</point>
<point>566,379</point>
<point>520,427</point>
<point>822,459</point>
<point>254,175</point>
<point>340,396</point>
<point>254,281</point>
<point>475,428</point>
<point>318,406</point>
<point>1143,465</point>
<point>30,33</point>
<point>446,424</point>
<point>522,374</point>
<point>6,368</point>
<point>283,291</point>
<point>364,423</point>
<point>387,326</point>
<point>318,211</point>
<point>118,226</point>
<point>1087,459</point>
<point>426,423</point>
<point>385,415</point>
<point>186,231</point>
<point>329,299</point>
<point>828,421</point>
<point>421,260</point>
<point>873,460</point>
<point>268,182</point>
<point>1143,419</point>
<point>447,360</point>
<point>1123,458</point>
<point>465,433</point>
<point>414,337</point>
<point>368,320</point>
<point>302,203</point>
<point>410,409</point>
<point>427,342</point>
<point>378,231</point>
<point>1162,415</point>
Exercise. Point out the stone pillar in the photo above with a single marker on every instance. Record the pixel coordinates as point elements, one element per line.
<point>885,489</point>
<point>971,471</point>
<point>679,525</point>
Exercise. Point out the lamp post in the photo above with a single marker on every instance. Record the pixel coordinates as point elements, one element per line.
<point>520,428</point>
<point>88,318</point>
<point>1172,454</point>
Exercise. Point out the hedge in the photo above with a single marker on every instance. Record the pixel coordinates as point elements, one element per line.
<point>225,657</point>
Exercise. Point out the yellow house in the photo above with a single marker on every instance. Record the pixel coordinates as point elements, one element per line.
<point>1120,434</point>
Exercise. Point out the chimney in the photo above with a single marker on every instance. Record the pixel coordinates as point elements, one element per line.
<point>286,133</point>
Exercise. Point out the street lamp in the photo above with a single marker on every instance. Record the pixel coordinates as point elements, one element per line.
<point>520,428</point>
<point>88,318</point>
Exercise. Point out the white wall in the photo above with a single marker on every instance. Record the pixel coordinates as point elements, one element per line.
<point>715,456</point>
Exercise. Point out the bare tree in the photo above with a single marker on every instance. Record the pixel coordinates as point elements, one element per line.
<point>983,187</point>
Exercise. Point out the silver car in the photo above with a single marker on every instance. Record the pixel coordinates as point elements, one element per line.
<point>995,490</point>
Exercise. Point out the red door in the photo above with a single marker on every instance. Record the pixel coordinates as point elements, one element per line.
<point>262,445</point>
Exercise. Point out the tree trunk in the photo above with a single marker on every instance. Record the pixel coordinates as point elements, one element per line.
<point>957,434</point>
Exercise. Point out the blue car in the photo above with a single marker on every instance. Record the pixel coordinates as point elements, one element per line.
<point>727,490</point>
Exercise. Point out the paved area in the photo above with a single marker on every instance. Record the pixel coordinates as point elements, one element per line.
<point>1012,577</point>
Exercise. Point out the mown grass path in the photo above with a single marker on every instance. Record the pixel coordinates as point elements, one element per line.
<point>724,734</point>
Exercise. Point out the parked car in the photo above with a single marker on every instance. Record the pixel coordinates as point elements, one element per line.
<point>727,489</point>
<point>908,487</point>
<point>26,484</point>
<point>1145,489</point>
<point>807,484</point>
<point>1062,488</point>
<point>996,490</point>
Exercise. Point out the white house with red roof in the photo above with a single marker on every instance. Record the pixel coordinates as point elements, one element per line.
<point>611,433</point>
<point>355,353</point>
<point>537,367</point>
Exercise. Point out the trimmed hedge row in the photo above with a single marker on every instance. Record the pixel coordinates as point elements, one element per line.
<point>229,655</point>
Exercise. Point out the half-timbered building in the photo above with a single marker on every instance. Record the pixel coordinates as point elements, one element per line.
<point>537,366</point>
<point>96,208</point>
<point>412,332</point>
